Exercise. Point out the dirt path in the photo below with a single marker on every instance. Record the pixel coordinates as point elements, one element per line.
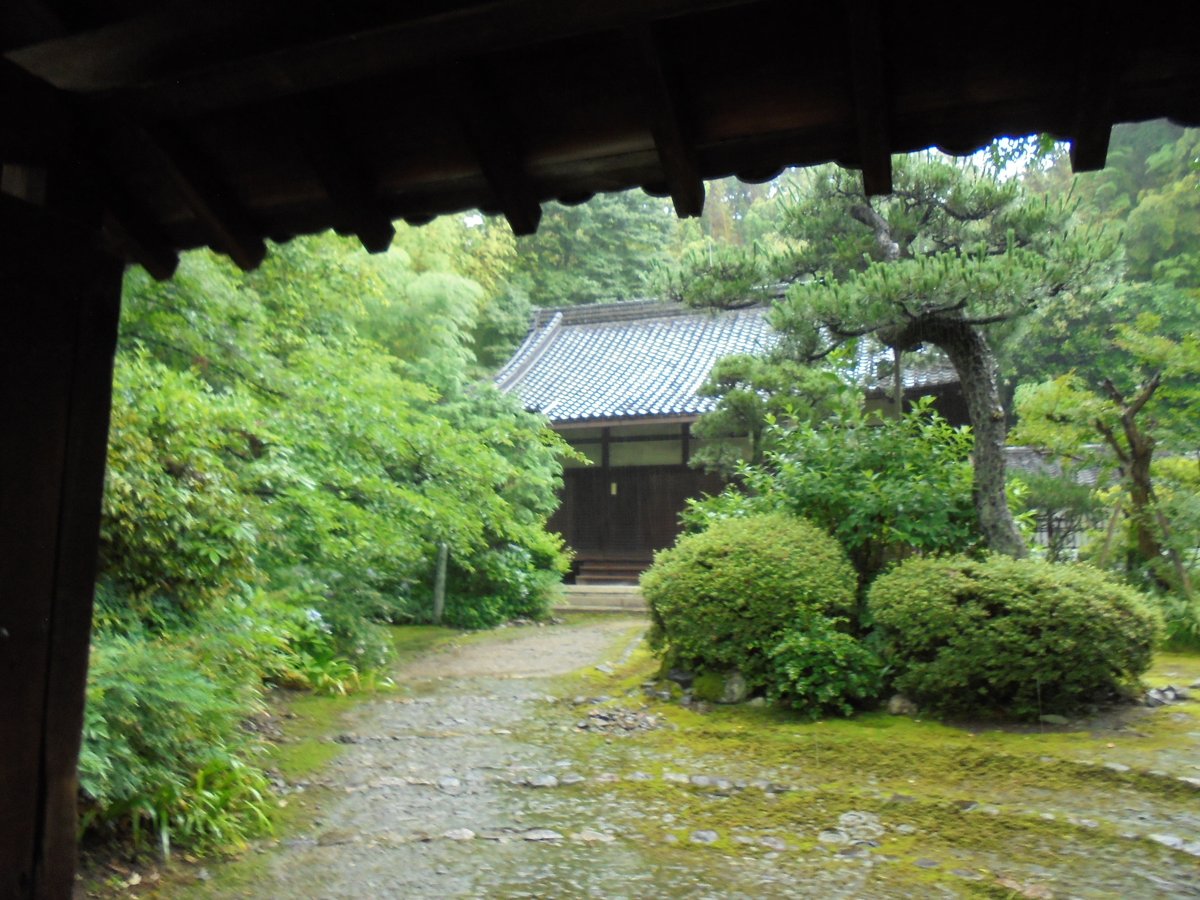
<point>435,795</point>
<point>487,776</point>
<point>529,652</point>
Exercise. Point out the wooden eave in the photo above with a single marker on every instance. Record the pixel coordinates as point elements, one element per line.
<point>227,124</point>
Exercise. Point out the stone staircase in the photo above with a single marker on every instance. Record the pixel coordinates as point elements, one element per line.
<point>612,571</point>
<point>615,598</point>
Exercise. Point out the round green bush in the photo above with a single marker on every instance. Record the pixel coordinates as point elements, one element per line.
<point>817,669</point>
<point>1018,636</point>
<point>720,599</point>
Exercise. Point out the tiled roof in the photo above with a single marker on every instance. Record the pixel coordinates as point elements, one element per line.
<point>640,359</point>
<point>627,360</point>
<point>922,370</point>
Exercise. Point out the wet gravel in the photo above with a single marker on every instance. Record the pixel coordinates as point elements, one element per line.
<point>474,785</point>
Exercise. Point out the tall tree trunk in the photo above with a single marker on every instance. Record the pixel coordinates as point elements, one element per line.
<point>976,367</point>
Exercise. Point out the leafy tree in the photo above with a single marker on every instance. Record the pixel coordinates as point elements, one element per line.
<point>1064,416</point>
<point>599,250</point>
<point>951,252</point>
<point>885,488</point>
<point>756,394</point>
<point>1148,194</point>
<point>288,448</point>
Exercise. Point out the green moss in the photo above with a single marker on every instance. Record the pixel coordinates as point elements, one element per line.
<point>710,687</point>
<point>411,641</point>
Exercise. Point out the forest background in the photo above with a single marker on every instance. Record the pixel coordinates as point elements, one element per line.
<point>290,447</point>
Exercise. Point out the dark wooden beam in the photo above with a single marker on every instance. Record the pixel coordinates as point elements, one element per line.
<point>38,120</point>
<point>1100,59</point>
<point>864,19</point>
<point>141,240</point>
<point>56,352</point>
<point>198,184</point>
<point>343,174</point>
<point>493,140</point>
<point>675,151</point>
<point>224,53</point>
<point>25,22</point>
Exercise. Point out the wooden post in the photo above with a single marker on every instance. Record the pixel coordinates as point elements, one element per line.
<point>57,337</point>
<point>897,381</point>
<point>439,583</point>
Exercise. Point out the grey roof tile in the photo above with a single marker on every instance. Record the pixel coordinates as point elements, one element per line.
<point>626,360</point>
<point>640,359</point>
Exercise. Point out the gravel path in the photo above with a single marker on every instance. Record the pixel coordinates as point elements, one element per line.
<point>479,779</point>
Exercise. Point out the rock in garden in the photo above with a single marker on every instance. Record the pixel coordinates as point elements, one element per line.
<point>900,705</point>
<point>704,837</point>
<point>542,834</point>
<point>735,689</point>
<point>542,781</point>
<point>681,677</point>
<point>833,837</point>
<point>588,836</point>
<point>459,834</point>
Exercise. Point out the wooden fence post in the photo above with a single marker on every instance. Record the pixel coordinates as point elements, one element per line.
<point>439,583</point>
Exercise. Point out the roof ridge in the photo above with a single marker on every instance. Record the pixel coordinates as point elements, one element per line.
<point>629,311</point>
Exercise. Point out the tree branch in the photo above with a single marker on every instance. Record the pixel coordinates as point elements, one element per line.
<point>867,215</point>
<point>1111,438</point>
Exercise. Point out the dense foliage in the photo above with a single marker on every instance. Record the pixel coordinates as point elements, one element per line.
<point>288,450</point>
<point>163,750</point>
<point>885,488</point>
<point>721,599</point>
<point>1019,636</point>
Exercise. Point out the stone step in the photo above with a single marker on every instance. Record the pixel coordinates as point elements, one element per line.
<point>603,597</point>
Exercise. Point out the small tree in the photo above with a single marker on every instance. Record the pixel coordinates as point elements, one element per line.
<point>885,488</point>
<point>1063,415</point>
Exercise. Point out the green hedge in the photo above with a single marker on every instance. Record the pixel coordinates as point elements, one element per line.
<point>721,599</point>
<point>1023,637</point>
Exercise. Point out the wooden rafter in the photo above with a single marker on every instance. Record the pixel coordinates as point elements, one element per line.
<point>344,176</point>
<point>493,141</point>
<point>229,227</point>
<point>1097,74</point>
<point>870,96</point>
<point>675,152</point>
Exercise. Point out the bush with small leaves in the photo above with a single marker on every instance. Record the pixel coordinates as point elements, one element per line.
<point>1017,636</point>
<point>720,599</point>
<point>817,669</point>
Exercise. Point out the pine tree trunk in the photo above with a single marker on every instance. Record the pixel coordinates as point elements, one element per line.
<point>976,367</point>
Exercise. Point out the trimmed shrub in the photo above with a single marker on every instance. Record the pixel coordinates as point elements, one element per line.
<point>1015,635</point>
<point>720,599</point>
<point>817,669</point>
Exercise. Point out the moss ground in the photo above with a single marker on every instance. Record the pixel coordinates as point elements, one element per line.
<point>1082,807</point>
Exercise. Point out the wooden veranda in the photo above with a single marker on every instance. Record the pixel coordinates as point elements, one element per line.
<point>134,129</point>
